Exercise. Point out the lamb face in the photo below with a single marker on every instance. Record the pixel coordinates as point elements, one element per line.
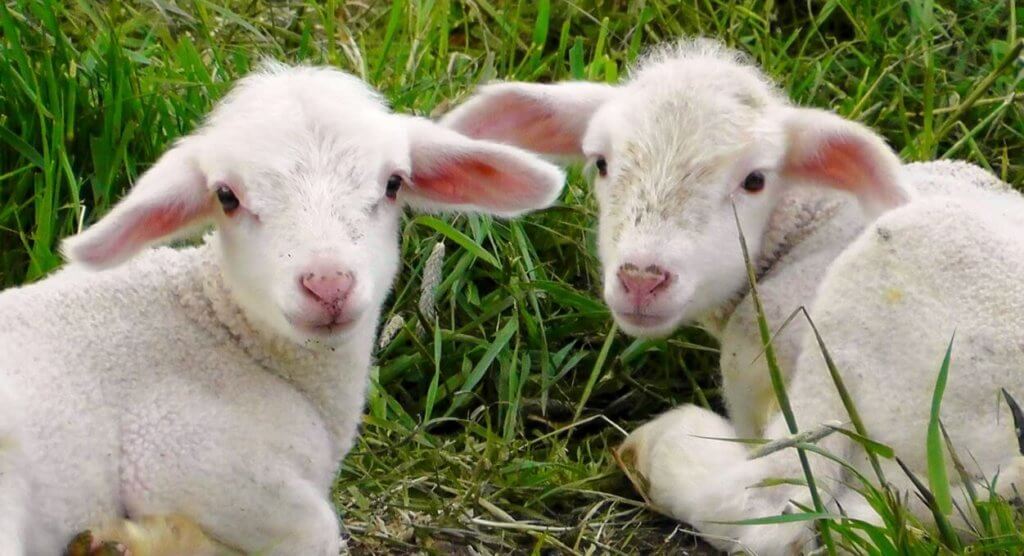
<point>306,210</point>
<point>670,161</point>
<point>304,171</point>
<point>693,133</point>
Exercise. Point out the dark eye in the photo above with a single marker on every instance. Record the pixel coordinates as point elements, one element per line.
<point>602,166</point>
<point>227,199</point>
<point>754,182</point>
<point>393,185</point>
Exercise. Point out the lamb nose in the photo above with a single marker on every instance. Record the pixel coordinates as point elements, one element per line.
<point>642,284</point>
<point>328,287</point>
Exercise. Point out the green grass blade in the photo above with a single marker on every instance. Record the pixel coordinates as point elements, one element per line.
<point>428,406</point>
<point>941,521</point>
<point>501,340</point>
<point>778,384</point>
<point>799,517</point>
<point>938,478</point>
<point>458,237</point>
<point>1018,420</point>
<point>863,437</point>
<point>595,372</point>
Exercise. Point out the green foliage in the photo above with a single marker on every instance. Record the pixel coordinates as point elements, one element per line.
<point>490,423</point>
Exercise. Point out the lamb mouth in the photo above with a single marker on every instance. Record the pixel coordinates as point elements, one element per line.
<point>643,320</point>
<point>332,327</point>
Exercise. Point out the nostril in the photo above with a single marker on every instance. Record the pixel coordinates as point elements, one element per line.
<point>664,276</point>
<point>643,282</point>
<point>625,277</point>
<point>328,287</point>
<point>304,284</point>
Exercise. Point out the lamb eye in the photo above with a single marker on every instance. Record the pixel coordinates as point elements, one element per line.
<point>228,200</point>
<point>754,182</point>
<point>393,185</point>
<point>602,166</point>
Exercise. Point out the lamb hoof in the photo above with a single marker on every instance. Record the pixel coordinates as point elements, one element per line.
<point>674,454</point>
<point>148,536</point>
<point>84,544</point>
<point>109,548</point>
<point>81,545</point>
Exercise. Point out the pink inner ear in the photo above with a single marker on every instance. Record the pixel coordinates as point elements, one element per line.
<point>469,181</point>
<point>140,226</point>
<point>526,123</point>
<point>843,163</point>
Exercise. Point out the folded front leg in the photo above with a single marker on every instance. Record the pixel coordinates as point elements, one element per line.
<point>677,452</point>
<point>256,515</point>
<point>696,474</point>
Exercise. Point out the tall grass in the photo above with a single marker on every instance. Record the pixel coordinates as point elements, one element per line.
<point>491,419</point>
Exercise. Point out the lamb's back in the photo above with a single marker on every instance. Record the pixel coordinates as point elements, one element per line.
<point>943,268</point>
<point>795,279</point>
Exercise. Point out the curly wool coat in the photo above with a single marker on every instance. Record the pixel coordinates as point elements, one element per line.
<point>196,412</point>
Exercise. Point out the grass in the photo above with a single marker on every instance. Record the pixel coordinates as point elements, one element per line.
<point>491,421</point>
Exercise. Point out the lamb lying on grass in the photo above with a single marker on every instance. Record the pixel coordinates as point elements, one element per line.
<point>888,273</point>
<point>224,383</point>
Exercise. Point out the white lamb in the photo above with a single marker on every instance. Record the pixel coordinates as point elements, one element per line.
<point>224,383</point>
<point>929,249</point>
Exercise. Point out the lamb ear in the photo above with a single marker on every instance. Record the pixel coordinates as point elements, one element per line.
<point>451,171</point>
<point>548,119</point>
<point>170,199</point>
<point>830,151</point>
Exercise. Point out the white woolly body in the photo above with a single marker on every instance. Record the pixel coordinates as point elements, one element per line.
<point>824,224</point>
<point>697,138</point>
<point>146,392</point>
<point>887,306</point>
<point>223,384</point>
<point>887,300</point>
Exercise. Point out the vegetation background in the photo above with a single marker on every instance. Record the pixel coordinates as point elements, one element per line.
<point>502,384</point>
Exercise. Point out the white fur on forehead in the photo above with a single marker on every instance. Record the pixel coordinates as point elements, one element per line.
<point>691,105</point>
<point>279,105</point>
<point>708,65</point>
<point>274,83</point>
<point>696,95</point>
<point>299,123</point>
<point>692,111</point>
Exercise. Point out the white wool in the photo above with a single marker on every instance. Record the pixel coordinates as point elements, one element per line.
<point>13,483</point>
<point>672,148</point>
<point>792,281</point>
<point>223,384</point>
<point>145,392</point>
<point>887,307</point>
<point>886,310</point>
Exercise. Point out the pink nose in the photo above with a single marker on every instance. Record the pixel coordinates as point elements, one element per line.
<point>642,285</point>
<point>329,287</point>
